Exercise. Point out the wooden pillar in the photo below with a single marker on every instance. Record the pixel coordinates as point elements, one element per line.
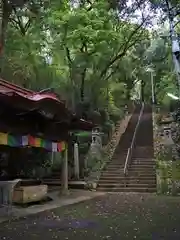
<point>76,161</point>
<point>64,174</point>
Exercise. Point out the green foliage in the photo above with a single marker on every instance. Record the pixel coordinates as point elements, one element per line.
<point>115,113</point>
<point>104,115</point>
<point>82,51</point>
<point>88,52</point>
<point>84,147</point>
<point>94,54</point>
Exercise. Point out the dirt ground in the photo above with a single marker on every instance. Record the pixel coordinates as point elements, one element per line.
<point>113,216</point>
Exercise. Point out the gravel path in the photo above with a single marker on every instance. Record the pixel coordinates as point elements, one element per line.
<point>114,216</point>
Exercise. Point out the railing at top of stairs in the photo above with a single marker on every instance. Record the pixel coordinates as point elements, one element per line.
<point>131,148</point>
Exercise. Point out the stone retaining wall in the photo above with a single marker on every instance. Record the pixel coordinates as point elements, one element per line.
<point>167,169</point>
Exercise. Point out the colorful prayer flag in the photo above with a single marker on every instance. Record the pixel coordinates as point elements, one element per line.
<point>3,138</point>
<point>59,146</point>
<point>28,140</point>
<point>63,146</point>
<point>54,147</point>
<point>24,140</point>
<point>14,141</point>
<point>31,141</point>
<point>47,145</point>
<point>38,142</point>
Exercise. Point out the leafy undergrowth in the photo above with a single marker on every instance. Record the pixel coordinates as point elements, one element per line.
<point>113,216</point>
<point>167,162</point>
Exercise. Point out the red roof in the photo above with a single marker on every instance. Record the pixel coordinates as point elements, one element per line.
<point>30,100</point>
<point>6,87</point>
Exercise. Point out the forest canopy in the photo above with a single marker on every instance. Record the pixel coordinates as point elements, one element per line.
<point>92,53</point>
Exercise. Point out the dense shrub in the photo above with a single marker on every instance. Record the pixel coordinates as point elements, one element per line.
<point>107,128</point>
<point>104,116</point>
<point>83,148</point>
<point>116,114</point>
<point>105,139</point>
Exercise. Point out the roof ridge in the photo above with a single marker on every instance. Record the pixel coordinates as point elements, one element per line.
<point>15,87</point>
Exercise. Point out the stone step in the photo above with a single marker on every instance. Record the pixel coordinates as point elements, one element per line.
<point>136,171</point>
<point>112,173</point>
<point>143,163</point>
<point>133,181</point>
<point>142,167</point>
<point>128,185</point>
<point>112,170</point>
<point>120,167</point>
<point>115,165</point>
<point>143,156</point>
<point>141,174</point>
<point>142,159</point>
<point>112,176</point>
<point>121,178</point>
<point>127,189</point>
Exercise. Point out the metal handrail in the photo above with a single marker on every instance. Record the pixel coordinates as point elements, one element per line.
<point>130,149</point>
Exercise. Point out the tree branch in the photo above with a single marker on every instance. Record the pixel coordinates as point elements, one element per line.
<point>68,55</point>
<point>112,72</point>
<point>19,22</point>
<point>123,52</point>
<point>14,23</point>
<point>27,25</point>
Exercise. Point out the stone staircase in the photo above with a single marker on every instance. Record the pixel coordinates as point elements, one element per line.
<point>141,175</point>
<point>55,179</point>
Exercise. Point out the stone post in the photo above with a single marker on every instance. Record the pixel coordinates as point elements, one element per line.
<point>76,161</point>
<point>64,174</point>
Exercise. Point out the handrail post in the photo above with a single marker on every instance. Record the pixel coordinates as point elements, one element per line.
<point>130,150</point>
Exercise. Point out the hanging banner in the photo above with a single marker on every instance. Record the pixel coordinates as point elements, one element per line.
<point>22,141</point>
<point>47,145</point>
<point>54,147</point>
<point>15,141</point>
<point>3,139</point>
<point>61,146</point>
<point>35,142</point>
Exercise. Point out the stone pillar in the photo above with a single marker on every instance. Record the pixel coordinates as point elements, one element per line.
<point>76,161</point>
<point>64,174</point>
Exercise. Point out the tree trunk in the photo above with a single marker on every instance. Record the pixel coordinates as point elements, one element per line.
<point>128,94</point>
<point>107,96</point>
<point>73,92</point>
<point>5,11</point>
<point>82,85</point>
<point>142,90</point>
